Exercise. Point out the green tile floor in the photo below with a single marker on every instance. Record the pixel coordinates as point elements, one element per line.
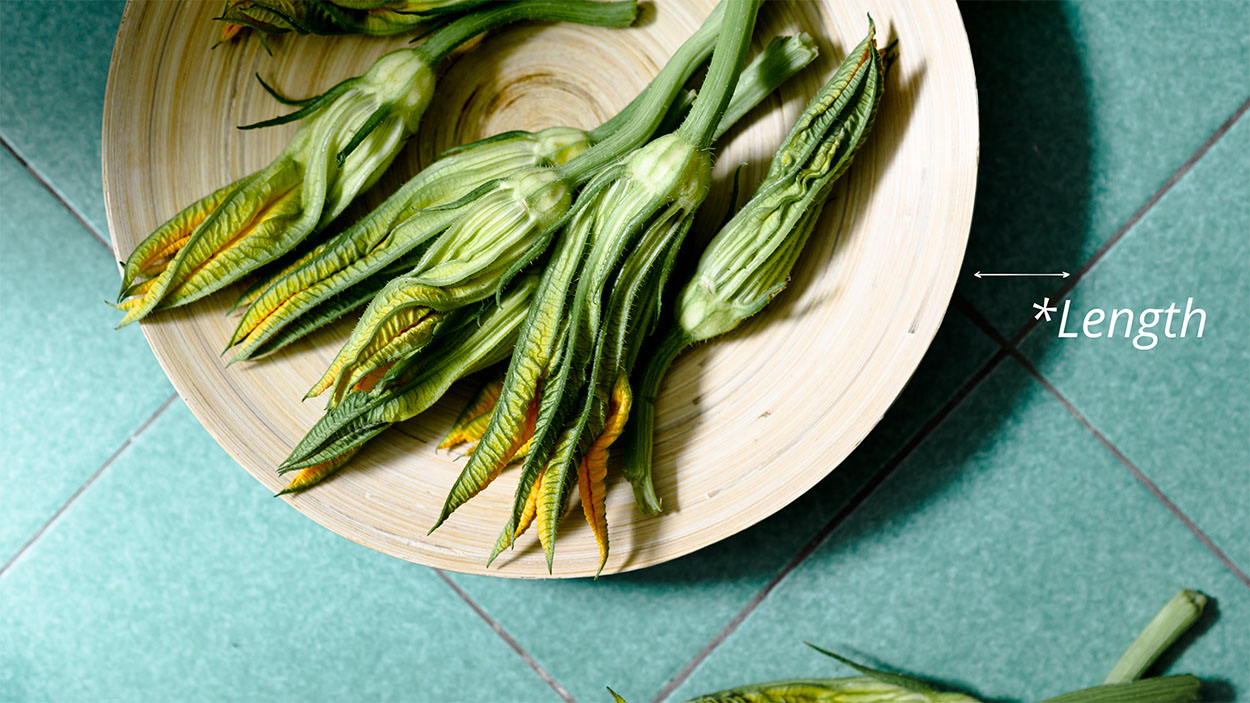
<point>1015,517</point>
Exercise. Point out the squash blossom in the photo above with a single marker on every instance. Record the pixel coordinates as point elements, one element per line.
<point>571,360</point>
<point>1123,684</point>
<point>504,217</point>
<point>351,134</point>
<point>748,262</point>
<point>376,17</point>
<point>345,272</point>
<point>473,341</point>
<point>851,689</point>
<point>477,261</point>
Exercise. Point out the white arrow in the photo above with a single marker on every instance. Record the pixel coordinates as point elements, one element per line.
<point>1061,274</point>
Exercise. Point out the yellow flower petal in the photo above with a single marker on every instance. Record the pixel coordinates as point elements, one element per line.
<point>593,471</point>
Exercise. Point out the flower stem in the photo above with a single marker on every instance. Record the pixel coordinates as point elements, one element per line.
<point>647,111</point>
<point>781,59</point>
<point>641,429</point>
<point>1176,617</point>
<point>1184,688</point>
<point>731,49</point>
<point>601,14</point>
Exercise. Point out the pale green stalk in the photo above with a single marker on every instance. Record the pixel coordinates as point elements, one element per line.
<point>1170,623</point>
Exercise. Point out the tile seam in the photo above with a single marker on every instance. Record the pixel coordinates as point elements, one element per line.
<point>1137,473</point>
<point>509,639</point>
<point>88,483</point>
<point>821,536</point>
<point>966,307</point>
<point>56,194</point>
<point>1183,170</point>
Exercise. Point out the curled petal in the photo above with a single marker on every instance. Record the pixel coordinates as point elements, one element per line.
<point>253,206</point>
<point>593,470</point>
<point>470,484</point>
<point>475,413</point>
<point>509,535</point>
<point>154,253</point>
<point>401,337</point>
<point>312,475</point>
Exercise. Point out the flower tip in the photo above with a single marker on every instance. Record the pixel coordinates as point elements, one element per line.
<point>243,355</point>
<point>228,32</point>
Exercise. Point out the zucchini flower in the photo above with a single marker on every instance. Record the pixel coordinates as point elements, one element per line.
<point>474,342</point>
<point>570,361</point>
<point>477,261</point>
<point>874,686</point>
<point>354,265</point>
<point>850,689</point>
<point>376,17</point>
<point>506,217</point>
<point>351,134</point>
<point>748,262</point>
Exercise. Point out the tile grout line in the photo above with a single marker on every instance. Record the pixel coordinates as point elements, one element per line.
<point>966,307</point>
<point>47,184</point>
<point>1183,170</point>
<point>516,646</point>
<point>87,484</point>
<point>860,497</point>
<point>1137,473</point>
<point>1006,348</point>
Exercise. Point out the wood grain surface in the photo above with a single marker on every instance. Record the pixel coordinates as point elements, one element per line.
<point>744,425</point>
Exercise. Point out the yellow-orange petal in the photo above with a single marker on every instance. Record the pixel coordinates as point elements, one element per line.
<point>468,426</point>
<point>593,471</point>
<point>367,383</point>
<point>531,507</point>
<point>311,476</point>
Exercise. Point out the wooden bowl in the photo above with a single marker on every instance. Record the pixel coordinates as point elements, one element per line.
<point>745,424</point>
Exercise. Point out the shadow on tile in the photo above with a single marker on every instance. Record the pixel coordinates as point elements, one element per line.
<point>1035,183</point>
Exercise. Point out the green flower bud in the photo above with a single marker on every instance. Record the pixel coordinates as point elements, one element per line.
<point>328,17</point>
<point>304,288</point>
<point>748,262</point>
<point>474,342</point>
<point>467,261</point>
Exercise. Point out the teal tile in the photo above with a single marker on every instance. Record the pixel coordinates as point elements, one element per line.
<point>647,625</point>
<point>177,577</point>
<point>52,76</point>
<point>1086,110</point>
<point>74,389</point>
<point>1180,411</point>
<point>1011,555</point>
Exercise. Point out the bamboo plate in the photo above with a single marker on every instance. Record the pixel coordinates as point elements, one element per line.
<point>745,424</point>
